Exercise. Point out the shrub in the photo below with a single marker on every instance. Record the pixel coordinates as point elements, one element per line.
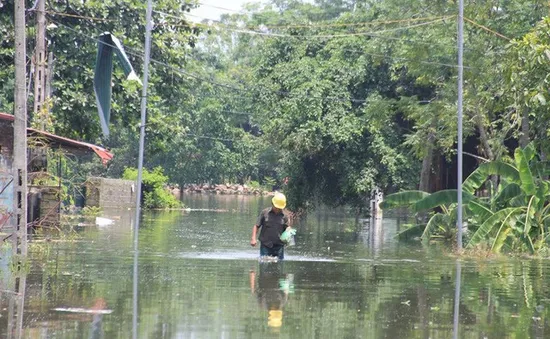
<point>154,193</point>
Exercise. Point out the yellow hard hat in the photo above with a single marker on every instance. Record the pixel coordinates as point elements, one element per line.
<point>279,200</point>
<point>275,318</point>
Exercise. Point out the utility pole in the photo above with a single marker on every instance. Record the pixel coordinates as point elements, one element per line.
<point>148,29</point>
<point>20,133</point>
<point>459,106</point>
<point>143,110</point>
<point>49,78</point>
<point>40,66</point>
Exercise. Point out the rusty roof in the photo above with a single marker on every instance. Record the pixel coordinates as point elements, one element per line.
<point>104,154</point>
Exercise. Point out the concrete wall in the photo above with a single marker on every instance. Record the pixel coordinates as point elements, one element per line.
<point>44,205</point>
<point>6,174</point>
<point>6,139</point>
<point>110,193</point>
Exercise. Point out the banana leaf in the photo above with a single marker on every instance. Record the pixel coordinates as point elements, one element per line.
<point>402,199</point>
<point>500,218</point>
<point>541,169</point>
<point>526,177</point>
<point>478,209</point>
<point>500,238</point>
<point>440,198</point>
<point>436,220</point>
<point>528,243</point>
<point>480,175</point>
<point>509,192</point>
<point>529,215</point>
<point>529,151</point>
<point>411,232</point>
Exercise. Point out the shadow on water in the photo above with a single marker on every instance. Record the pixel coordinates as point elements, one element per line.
<point>195,275</point>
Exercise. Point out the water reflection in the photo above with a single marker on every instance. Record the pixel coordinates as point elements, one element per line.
<point>16,302</point>
<point>192,275</point>
<point>456,314</point>
<point>135,285</point>
<point>97,319</point>
<point>272,290</point>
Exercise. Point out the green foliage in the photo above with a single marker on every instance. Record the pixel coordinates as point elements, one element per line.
<point>516,218</point>
<point>91,211</point>
<point>341,98</point>
<point>155,194</point>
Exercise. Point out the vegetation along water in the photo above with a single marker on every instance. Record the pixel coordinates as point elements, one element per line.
<point>330,102</point>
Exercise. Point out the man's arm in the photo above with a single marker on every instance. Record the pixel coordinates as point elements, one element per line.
<point>286,223</point>
<point>253,241</point>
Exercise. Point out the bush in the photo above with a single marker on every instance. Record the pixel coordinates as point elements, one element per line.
<point>154,194</point>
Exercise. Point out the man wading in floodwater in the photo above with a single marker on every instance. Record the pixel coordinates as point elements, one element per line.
<point>273,222</point>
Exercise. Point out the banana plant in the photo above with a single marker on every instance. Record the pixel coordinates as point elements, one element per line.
<point>519,212</point>
<point>516,216</point>
<point>440,224</point>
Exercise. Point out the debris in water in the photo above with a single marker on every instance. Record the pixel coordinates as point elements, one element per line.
<point>82,310</point>
<point>103,221</point>
<point>408,303</point>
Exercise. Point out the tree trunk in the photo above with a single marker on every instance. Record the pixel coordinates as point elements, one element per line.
<point>484,139</point>
<point>427,165</point>
<point>487,150</point>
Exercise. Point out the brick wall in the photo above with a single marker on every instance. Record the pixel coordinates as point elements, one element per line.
<point>110,193</point>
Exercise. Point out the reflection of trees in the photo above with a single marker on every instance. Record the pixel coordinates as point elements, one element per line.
<point>212,298</point>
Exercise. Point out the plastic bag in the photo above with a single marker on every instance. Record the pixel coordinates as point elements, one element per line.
<point>287,237</point>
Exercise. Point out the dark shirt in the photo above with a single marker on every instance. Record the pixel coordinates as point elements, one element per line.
<point>273,225</point>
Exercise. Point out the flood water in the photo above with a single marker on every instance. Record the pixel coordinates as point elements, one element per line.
<point>198,277</point>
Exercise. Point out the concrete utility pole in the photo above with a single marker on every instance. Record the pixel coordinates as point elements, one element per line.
<point>148,28</point>
<point>20,133</point>
<point>459,223</point>
<point>40,64</point>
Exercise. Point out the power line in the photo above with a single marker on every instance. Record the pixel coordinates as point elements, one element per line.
<point>231,87</point>
<point>326,36</point>
<point>253,32</point>
<point>319,25</point>
<point>76,16</point>
<point>488,29</point>
<point>370,34</point>
<point>218,7</point>
<point>198,77</point>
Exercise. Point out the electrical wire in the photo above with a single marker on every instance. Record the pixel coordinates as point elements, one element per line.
<point>326,36</point>
<point>227,86</point>
<point>370,34</point>
<point>485,28</point>
<point>225,27</point>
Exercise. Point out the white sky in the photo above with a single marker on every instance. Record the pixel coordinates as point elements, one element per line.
<point>205,11</point>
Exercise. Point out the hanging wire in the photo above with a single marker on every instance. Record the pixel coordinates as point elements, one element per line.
<point>326,36</point>
<point>487,29</point>
<point>218,7</point>
<point>227,86</point>
<point>237,30</point>
<point>76,16</point>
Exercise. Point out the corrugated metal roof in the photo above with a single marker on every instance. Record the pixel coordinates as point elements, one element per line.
<point>104,154</point>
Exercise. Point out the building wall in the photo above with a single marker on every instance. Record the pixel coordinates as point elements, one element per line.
<point>110,193</point>
<point>7,186</point>
<point>6,140</point>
